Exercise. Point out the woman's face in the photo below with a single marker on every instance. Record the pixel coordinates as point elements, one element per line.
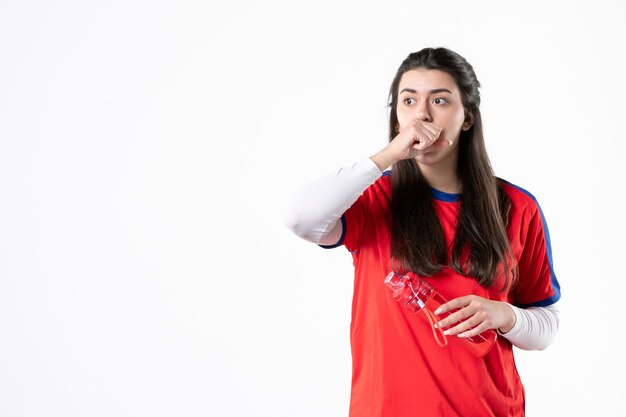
<point>433,96</point>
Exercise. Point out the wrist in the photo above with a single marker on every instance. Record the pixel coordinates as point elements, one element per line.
<point>383,159</point>
<point>511,319</point>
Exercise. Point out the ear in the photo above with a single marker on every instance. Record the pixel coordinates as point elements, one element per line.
<point>469,121</point>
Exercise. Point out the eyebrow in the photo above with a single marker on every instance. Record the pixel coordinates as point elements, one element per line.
<point>436,90</point>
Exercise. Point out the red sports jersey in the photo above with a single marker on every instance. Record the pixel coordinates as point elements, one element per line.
<point>398,369</point>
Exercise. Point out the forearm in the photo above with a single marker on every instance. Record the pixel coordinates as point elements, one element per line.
<point>316,208</point>
<point>384,158</point>
<point>535,327</point>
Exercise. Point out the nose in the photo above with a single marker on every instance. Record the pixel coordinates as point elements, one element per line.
<point>422,112</point>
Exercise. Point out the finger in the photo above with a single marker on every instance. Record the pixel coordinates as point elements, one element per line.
<point>459,328</point>
<point>421,140</point>
<point>459,302</point>
<point>468,328</point>
<point>430,127</point>
<point>423,133</point>
<point>443,142</point>
<point>475,331</point>
<point>455,318</point>
<point>430,136</point>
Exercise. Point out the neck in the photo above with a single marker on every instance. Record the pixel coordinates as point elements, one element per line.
<point>442,176</point>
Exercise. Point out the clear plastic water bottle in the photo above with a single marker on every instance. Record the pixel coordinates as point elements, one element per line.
<point>418,295</point>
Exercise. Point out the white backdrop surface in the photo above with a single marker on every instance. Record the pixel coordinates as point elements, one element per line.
<point>149,148</point>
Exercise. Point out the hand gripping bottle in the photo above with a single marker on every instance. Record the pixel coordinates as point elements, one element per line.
<point>418,295</point>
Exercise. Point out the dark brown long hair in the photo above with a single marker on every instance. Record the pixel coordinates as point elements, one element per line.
<point>481,248</point>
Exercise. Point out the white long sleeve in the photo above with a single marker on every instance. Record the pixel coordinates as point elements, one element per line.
<point>316,208</point>
<point>535,327</point>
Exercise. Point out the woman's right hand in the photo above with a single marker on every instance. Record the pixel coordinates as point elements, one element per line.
<point>413,138</point>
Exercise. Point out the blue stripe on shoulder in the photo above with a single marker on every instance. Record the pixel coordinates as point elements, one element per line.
<point>555,283</point>
<point>543,303</point>
<point>386,173</point>
<point>343,235</point>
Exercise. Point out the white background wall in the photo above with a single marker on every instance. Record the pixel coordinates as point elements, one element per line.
<point>148,149</point>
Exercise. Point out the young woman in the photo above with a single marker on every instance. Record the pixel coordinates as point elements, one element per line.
<point>441,214</point>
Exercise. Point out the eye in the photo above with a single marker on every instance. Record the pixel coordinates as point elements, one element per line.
<point>440,100</point>
<point>406,99</point>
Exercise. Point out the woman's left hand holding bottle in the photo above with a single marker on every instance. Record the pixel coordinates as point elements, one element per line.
<point>476,315</point>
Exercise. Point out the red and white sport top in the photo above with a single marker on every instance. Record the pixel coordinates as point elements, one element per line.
<point>398,369</point>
